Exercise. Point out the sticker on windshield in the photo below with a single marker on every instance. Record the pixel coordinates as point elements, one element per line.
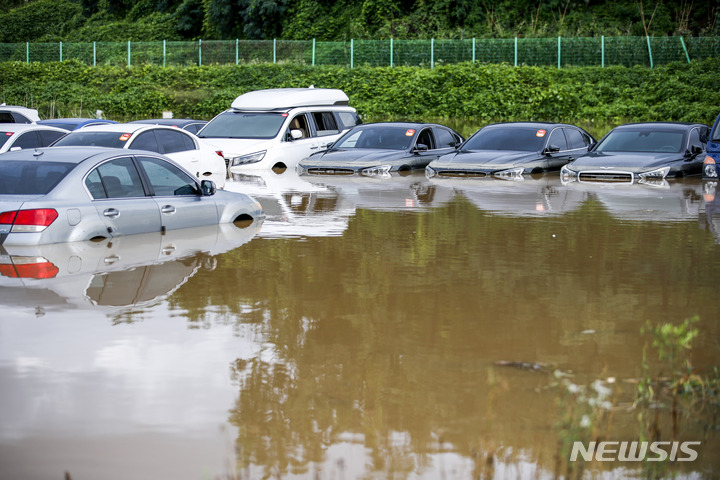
<point>410,132</point>
<point>540,133</point>
<point>124,136</point>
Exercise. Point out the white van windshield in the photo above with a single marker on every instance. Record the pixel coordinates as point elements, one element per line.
<point>244,125</point>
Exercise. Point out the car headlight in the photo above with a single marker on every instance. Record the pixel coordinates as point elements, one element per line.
<point>247,159</point>
<point>709,167</point>
<point>429,172</point>
<point>510,172</point>
<point>379,170</point>
<point>567,173</point>
<point>657,173</point>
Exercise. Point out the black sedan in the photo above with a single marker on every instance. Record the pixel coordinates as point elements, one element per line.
<point>513,149</point>
<point>642,152</point>
<point>376,149</point>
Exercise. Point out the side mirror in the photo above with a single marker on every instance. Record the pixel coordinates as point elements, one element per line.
<point>420,147</point>
<point>696,149</point>
<point>208,188</point>
<point>295,134</point>
<point>551,149</point>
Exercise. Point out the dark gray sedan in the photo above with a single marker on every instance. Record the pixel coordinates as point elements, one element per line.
<point>66,194</point>
<point>376,149</point>
<point>642,152</point>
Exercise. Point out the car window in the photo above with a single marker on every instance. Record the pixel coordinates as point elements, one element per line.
<point>117,178</point>
<point>18,118</point>
<point>379,136</point>
<point>146,141</point>
<point>503,137</point>
<point>5,117</point>
<point>27,140</point>
<point>575,139</point>
<point>425,138</point>
<point>93,139</point>
<point>299,122</point>
<point>557,138</point>
<point>29,177</point>
<point>349,119</point>
<point>695,138</point>
<point>171,141</point>
<point>167,179</point>
<point>445,138</point>
<point>48,136</point>
<point>325,123</point>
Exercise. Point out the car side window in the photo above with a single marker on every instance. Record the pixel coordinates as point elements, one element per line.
<point>167,179</point>
<point>557,138</point>
<point>172,141</point>
<point>325,123</point>
<point>349,119</point>
<point>47,137</point>
<point>444,138</point>
<point>146,141</point>
<point>27,140</point>
<point>117,178</point>
<point>575,139</point>
<point>695,139</point>
<point>425,137</point>
<point>300,123</point>
<point>20,118</point>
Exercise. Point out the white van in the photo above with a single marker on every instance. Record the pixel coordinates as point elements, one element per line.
<point>276,128</point>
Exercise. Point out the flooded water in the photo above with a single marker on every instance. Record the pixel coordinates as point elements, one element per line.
<point>369,328</point>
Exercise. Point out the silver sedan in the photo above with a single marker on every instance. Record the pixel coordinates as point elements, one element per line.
<point>66,194</point>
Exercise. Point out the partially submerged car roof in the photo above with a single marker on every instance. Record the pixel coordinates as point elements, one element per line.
<point>285,98</point>
<point>59,154</point>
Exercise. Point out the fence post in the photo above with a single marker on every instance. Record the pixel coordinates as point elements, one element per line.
<point>649,51</point>
<point>237,51</point>
<point>685,49</point>
<point>516,56</point>
<point>274,50</point>
<point>313,53</point>
<point>473,51</point>
<point>164,52</point>
<point>432,53</point>
<point>559,52</point>
<point>391,53</point>
<point>602,51</point>
<point>352,53</point>
<point>27,52</point>
<point>200,53</point>
<point>128,53</point>
<point>94,54</point>
<point>61,51</point>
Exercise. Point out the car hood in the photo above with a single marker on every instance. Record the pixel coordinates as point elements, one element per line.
<point>357,157</point>
<point>232,147</point>
<point>485,158</point>
<point>632,162</point>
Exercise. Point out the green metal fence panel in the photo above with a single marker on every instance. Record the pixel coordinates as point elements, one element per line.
<point>332,53</point>
<point>703,47</point>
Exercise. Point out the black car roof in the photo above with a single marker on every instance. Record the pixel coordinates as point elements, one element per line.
<point>531,124</point>
<point>656,125</point>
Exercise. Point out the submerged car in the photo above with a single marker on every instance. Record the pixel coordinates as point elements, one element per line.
<point>711,164</point>
<point>74,123</point>
<point>642,152</point>
<point>381,148</point>
<point>276,128</point>
<point>17,136</point>
<point>190,152</point>
<point>189,124</point>
<point>66,194</point>
<point>513,149</point>
<point>18,114</point>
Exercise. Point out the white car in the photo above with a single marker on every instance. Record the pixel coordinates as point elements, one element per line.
<point>276,128</point>
<point>17,136</point>
<point>196,156</point>
<point>17,114</point>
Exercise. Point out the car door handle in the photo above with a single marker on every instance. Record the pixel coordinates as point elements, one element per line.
<point>112,212</point>
<point>167,209</point>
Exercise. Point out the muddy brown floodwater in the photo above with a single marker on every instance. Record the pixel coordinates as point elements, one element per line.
<point>395,327</point>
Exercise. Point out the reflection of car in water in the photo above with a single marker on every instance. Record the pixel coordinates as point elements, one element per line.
<point>292,205</point>
<point>711,164</point>
<point>127,271</point>
<point>711,195</point>
<point>523,196</point>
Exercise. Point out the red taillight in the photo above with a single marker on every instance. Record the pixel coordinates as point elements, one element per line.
<point>24,267</point>
<point>34,220</point>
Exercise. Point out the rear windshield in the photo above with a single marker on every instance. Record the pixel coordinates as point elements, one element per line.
<point>526,139</point>
<point>93,139</point>
<point>4,137</point>
<point>655,141</point>
<point>18,177</point>
<point>244,125</point>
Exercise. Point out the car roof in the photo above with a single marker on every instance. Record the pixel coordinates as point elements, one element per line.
<point>169,121</point>
<point>655,125</point>
<point>398,124</point>
<point>531,124</point>
<point>22,127</point>
<point>61,154</point>
<point>30,112</point>
<point>284,98</point>
<point>73,121</point>
<point>125,127</point>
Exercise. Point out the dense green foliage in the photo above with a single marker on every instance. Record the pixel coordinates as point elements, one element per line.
<point>682,92</point>
<point>145,20</point>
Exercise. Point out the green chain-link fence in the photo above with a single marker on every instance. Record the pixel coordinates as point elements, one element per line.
<point>560,52</point>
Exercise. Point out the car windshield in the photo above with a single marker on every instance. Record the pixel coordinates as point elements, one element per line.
<point>21,177</point>
<point>655,141</point>
<point>96,139</point>
<point>244,125</point>
<point>387,138</point>
<point>526,139</point>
